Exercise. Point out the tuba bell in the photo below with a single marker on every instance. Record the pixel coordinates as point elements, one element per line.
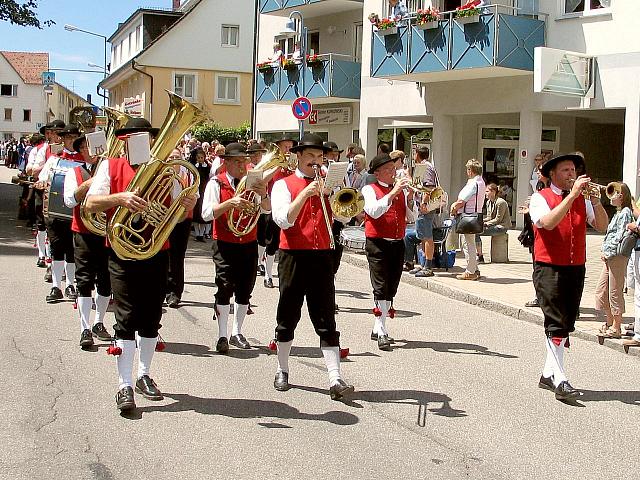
<point>347,202</point>
<point>241,222</point>
<point>140,235</point>
<point>84,117</point>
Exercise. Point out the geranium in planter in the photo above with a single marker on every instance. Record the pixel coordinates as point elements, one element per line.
<point>427,19</point>
<point>468,13</point>
<point>264,67</point>
<point>385,26</point>
<point>314,60</point>
<point>289,64</point>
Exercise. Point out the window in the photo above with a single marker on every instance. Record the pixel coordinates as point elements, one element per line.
<point>313,43</point>
<point>132,42</point>
<point>184,85</point>
<point>585,6</point>
<point>8,90</point>
<point>7,114</point>
<point>357,53</point>
<point>227,89</point>
<point>139,38</point>
<point>230,35</point>
<point>26,115</point>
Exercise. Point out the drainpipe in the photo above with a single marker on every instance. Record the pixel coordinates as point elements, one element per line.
<point>133,65</point>
<point>256,27</point>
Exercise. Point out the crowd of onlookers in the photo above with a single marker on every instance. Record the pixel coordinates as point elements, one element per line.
<point>14,153</point>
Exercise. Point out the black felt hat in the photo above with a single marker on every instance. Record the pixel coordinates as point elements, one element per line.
<point>311,140</point>
<point>378,161</point>
<point>286,137</point>
<point>235,150</point>
<point>71,129</point>
<point>333,146</point>
<point>576,158</point>
<point>54,125</point>
<point>136,125</point>
<point>77,142</point>
<point>256,148</point>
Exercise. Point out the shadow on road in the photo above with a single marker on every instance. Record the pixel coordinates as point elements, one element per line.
<point>448,347</point>
<point>399,313</point>
<point>353,294</point>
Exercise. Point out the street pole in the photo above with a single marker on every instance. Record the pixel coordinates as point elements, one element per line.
<point>303,53</point>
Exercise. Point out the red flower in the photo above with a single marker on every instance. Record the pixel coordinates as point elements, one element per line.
<point>377,312</point>
<point>114,350</point>
<point>344,352</point>
<point>273,346</point>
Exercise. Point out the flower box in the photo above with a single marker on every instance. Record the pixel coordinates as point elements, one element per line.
<point>388,31</point>
<point>265,69</point>
<point>469,19</point>
<point>428,25</point>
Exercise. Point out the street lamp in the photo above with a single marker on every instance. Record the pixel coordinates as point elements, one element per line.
<point>73,28</point>
<point>95,65</point>
<point>291,31</point>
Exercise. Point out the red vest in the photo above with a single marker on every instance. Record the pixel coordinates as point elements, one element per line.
<point>75,156</point>
<point>393,223</point>
<point>121,174</point>
<point>220,229</point>
<point>309,232</point>
<point>279,175</point>
<point>567,243</point>
<point>77,225</point>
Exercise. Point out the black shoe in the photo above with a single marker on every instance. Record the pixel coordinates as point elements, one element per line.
<point>565,391</point>
<point>532,303</point>
<point>41,263</point>
<point>374,336</point>
<point>223,345</point>
<point>70,292</point>
<point>124,399</point>
<point>384,343</point>
<point>281,382</point>
<point>337,308</point>
<point>340,389</point>
<point>173,301</point>
<point>100,332</point>
<point>546,383</point>
<point>480,258</point>
<point>268,283</point>
<point>239,341</point>
<point>55,295</point>
<point>48,276</point>
<point>86,340</point>
<point>199,238</point>
<point>261,270</point>
<point>148,388</point>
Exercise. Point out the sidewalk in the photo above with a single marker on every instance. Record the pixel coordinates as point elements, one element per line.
<point>505,287</point>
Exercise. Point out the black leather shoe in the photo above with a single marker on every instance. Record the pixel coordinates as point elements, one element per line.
<point>281,382</point>
<point>148,388</point>
<point>532,303</point>
<point>239,341</point>
<point>340,390</point>
<point>384,343</point>
<point>100,332</point>
<point>546,383</point>
<point>173,301</point>
<point>54,295</point>
<point>41,263</point>
<point>86,340</point>
<point>261,270</point>
<point>124,399</point>
<point>223,345</point>
<point>374,336</point>
<point>268,283</point>
<point>48,276</point>
<point>70,292</point>
<point>565,391</point>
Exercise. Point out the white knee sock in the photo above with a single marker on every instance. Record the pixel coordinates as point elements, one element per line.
<point>70,271</point>
<point>268,266</point>
<point>102,303</point>
<point>332,360</point>
<point>124,362</point>
<point>41,242</point>
<point>84,307</point>
<point>223,318</point>
<point>47,247</point>
<point>261,251</point>
<point>379,325</point>
<point>146,349</point>
<point>555,358</point>
<point>57,267</point>
<point>238,318</point>
<point>284,350</point>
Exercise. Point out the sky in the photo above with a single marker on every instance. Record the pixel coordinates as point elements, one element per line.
<point>74,50</point>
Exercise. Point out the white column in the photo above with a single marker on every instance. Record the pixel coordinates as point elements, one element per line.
<point>442,151</point>
<point>369,136</point>
<point>530,141</point>
<point>631,161</point>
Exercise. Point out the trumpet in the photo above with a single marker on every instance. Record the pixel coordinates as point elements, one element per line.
<point>325,214</point>
<point>593,189</point>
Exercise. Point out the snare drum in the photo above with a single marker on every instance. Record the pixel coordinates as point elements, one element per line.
<point>54,206</point>
<point>353,238</point>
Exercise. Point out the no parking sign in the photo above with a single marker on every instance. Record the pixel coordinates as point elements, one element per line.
<point>301,108</point>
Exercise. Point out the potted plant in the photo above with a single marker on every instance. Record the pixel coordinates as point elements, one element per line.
<point>264,67</point>
<point>385,26</point>
<point>289,64</point>
<point>468,13</point>
<point>427,19</point>
<point>314,61</point>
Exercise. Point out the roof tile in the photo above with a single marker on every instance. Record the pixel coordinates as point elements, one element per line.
<point>29,65</point>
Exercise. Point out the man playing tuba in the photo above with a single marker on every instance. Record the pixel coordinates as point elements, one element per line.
<point>235,256</point>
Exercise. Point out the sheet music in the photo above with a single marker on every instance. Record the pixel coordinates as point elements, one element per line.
<point>138,149</point>
<point>418,171</point>
<point>97,142</point>
<point>253,176</point>
<point>335,175</point>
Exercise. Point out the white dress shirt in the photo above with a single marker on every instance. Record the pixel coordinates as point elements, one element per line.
<point>70,187</point>
<point>212,196</point>
<point>376,207</point>
<point>280,202</point>
<point>538,207</point>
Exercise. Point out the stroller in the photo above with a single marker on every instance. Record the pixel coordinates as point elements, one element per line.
<point>442,258</point>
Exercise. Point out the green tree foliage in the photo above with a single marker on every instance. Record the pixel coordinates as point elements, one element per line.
<point>208,131</point>
<point>23,14</point>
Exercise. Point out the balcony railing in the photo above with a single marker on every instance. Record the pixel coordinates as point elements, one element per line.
<point>333,77</point>
<point>277,6</point>
<point>503,43</point>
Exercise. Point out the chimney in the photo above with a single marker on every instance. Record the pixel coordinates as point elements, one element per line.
<point>89,97</point>
<point>176,5</point>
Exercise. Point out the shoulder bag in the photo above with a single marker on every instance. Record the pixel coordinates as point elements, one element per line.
<point>469,223</point>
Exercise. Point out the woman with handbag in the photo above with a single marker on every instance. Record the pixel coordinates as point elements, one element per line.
<point>467,211</point>
<point>609,297</point>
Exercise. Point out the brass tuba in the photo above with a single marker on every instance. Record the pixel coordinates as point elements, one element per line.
<point>96,223</point>
<point>84,117</point>
<point>140,235</point>
<point>241,222</point>
<point>347,202</point>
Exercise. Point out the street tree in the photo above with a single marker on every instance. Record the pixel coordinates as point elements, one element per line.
<point>23,14</point>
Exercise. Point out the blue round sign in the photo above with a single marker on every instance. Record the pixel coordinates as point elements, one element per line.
<point>301,108</point>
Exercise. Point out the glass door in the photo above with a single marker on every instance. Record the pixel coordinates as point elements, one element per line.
<point>499,167</point>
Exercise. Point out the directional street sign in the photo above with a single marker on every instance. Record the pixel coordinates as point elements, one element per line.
<point>301,108</point>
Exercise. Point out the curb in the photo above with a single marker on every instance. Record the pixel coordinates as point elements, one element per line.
<point>519,313</point>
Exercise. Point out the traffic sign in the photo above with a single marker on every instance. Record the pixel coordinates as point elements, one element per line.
<point>313,118</point>
<point>301,108</point>
<point>48,78</point>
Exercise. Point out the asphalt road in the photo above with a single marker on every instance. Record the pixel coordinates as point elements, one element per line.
<point>457,398</point>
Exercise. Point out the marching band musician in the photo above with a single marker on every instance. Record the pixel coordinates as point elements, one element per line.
<point>305,267</point>
<point>58,229</point>
<point>386,209</point>
<point>138,286</point>
<point>90,253</point>
<point>235,257</point>
<point>560,217</point>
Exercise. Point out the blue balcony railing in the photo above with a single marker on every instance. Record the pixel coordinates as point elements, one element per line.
<point>277,6</point>
<point>332,76</point>
<point>492,39</point>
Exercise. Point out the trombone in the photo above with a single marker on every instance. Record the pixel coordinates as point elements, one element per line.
<point>325,214</point>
